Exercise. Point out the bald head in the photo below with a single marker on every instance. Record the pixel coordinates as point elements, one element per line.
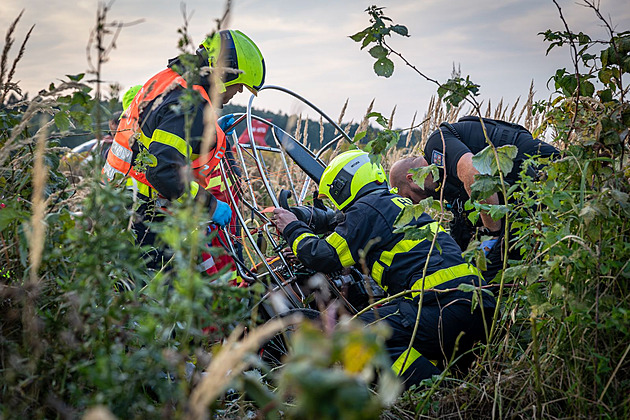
<point>400,178</point>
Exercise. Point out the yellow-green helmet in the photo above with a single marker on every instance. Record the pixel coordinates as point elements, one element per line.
<point>129,95</point>
<point>350,176</point>
<point>234,50</point>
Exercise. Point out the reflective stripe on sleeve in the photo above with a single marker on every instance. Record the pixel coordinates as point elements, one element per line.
<point>121,152</point>
<point>342,249</point>
<point>299,239</point>
<point>444,275</point>
<point>377,273</point>
<point>216,181</point>
<point>110,171</point>
<point>172,140</point>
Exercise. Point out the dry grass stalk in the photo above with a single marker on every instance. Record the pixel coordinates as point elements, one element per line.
<point>411,130</point>
<point>8,85</point>
<point>321,130</point>
<point>229,362</point>
<point>298,127</point>
<point>210,116</point>
<point>342,113</point>
<point>488,109</point>
<point>99,413</point>
<point>305,131</point>
<point>513,111</point>
<point>365,121</point>
<point>528,108</point>
<point>38,227</point>
<point>391,119</point>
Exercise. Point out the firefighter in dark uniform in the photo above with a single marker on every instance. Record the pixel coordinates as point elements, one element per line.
<point>462,140</point>
<point>359,189</point>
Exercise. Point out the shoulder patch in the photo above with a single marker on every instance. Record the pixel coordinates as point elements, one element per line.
<point>437,158</point>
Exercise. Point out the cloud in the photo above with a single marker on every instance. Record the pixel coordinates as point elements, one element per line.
<point>307,49</point>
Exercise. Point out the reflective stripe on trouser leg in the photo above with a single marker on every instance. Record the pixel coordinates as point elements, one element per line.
<point>402,364</point>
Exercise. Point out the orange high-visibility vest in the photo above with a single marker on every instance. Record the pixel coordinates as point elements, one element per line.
<point>119,158</point>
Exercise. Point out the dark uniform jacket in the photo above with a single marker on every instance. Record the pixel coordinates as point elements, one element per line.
<point>395,263</point>
<point>163,124</point>
<point>466,136</point>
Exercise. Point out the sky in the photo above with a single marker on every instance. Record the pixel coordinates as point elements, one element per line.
<point>307,48</point>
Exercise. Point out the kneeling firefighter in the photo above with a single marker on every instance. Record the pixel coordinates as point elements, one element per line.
<point>358,188</point>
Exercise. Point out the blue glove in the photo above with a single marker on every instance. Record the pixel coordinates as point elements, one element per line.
<point>487,245</point>
<point>222,214</point>
<point>226,121</point>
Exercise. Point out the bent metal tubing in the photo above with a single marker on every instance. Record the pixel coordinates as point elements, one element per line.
<point>302,195</point>
<point>260,254</point>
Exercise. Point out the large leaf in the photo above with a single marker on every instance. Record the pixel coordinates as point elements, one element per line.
<point>378,51</point>
<point>484,186</point>
<point>384,67</point>
<point>486,163</point>
<point>420,174</point>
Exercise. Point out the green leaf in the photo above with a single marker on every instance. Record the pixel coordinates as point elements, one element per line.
<point>404,217</point>
<point>467,288</point>
<point>358,136</point>
<point>400,30</point>
<point>384,67</point>
<point>75,77</point>
<point>62,121</point>
<point>587,89</point>
<point>498,211</point>
<point>359,35</point>
<point>378,51</point>
<point>484,186</point>
<point>420,174</point>
<point>9,214</point>
<point>486,163</point>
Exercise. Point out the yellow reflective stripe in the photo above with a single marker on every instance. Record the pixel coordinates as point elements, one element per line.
<point>444,275</point>
<point>299,239</point>
<point>194,189</point>
<point>342,249</point>
<point>402,202</point>
<point>215,181</point>
<point>406,245</point>
<point>414,354</point>
<point>139,187</point>
<point>377,274</point>
<point>172,140</point>
<point>398,367</point>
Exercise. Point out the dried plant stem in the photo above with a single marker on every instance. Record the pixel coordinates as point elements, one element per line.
<point>38,228</point>
<point>231,361</point>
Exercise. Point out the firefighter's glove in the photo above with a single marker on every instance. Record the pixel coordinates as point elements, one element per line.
<point>226,121</point>
<point>222,214</point>
<point>487,245</point>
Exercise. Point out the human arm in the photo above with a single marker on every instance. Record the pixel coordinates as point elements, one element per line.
<point>339,249</point>
<point>466,173</point>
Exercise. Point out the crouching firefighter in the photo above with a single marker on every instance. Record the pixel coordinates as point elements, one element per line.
<point>448,327</point>
<point>155,123</point>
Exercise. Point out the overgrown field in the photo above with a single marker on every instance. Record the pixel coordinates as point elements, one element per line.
<point>86,331</point>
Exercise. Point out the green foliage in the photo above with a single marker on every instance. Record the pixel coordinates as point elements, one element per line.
<point>456,90</point>
<point>329,375</point>
<point>377,34</point>
<point>383,139</point>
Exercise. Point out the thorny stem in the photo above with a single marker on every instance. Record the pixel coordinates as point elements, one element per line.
<point>574,58</point>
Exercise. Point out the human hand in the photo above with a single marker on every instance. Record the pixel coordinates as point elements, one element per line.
<point>281,218</point>
<point>226,121</point>
<point>222,214</point>
<point>488,244</point>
